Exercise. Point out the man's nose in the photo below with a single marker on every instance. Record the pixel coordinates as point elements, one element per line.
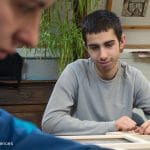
<point>102,54</point>
<point>28,33</point>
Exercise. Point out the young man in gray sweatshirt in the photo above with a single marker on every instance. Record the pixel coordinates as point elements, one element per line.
<point>97,95</point>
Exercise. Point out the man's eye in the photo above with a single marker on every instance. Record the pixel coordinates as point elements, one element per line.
<point>109,45</point>
<point>26,8</point>
<point>94,48</point>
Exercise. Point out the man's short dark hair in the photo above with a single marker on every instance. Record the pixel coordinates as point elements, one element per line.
<point>99,21</point>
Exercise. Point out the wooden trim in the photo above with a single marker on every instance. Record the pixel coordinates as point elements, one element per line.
<point>109,5</point>
<point>135,46</point>
<point>134,27</point>
<point>25,108</point>
<point>29,81</point>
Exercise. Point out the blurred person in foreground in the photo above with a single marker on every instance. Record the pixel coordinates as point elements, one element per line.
<point>19,25</point>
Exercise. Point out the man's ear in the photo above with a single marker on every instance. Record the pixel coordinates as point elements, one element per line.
<point>87,55</point>
<point>85,47</point>
<point>122,43</point>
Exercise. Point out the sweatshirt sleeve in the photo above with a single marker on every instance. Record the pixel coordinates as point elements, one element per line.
<point>58,117</point>
<point>142,93</point>
<point>16,134</point>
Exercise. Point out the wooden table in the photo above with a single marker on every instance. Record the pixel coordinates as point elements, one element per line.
<point>28,101</point>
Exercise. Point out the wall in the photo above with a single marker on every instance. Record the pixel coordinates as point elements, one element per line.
<point>137,37</point>
<point>142,64</point>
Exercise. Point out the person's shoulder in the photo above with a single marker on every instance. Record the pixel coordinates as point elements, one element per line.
<point>80,64</point>
<point>130,71</point>
<point>80,68</point>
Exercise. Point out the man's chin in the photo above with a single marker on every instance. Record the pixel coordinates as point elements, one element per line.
<point>3,55</point>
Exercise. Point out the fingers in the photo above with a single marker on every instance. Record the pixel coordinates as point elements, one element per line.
<point>125,124</point>
<point>145,128</point>
<point>131,124</point>
<point>137,129</point>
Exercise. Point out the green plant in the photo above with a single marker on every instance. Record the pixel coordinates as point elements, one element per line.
<point>60,30</point>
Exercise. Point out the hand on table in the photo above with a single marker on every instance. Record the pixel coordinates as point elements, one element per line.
<point>144,128</point>
<point>125,124</point>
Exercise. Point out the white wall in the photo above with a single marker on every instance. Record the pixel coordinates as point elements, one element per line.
<point>137,37</point>
<point>142,64</point>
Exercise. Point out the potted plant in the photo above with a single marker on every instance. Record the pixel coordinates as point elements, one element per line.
<point>60,38</point>
<point>60,29</point>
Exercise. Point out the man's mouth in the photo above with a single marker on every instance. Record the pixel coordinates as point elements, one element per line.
<point>5,52</point>
<point>104,63</point>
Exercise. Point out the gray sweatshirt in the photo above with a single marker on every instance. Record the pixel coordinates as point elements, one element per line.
<point>83,103</point>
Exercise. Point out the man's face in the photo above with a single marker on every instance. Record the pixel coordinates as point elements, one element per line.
<point>19,23</point>
<point>104,49</point>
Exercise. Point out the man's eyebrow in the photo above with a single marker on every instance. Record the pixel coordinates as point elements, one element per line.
<point>94,44</point>
<point>109,42</point>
